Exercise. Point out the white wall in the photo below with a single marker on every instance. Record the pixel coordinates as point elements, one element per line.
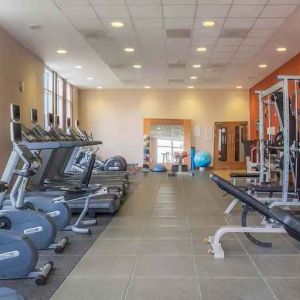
<point>116,116</point>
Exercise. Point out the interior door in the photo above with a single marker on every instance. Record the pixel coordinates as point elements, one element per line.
<point>229,145</point>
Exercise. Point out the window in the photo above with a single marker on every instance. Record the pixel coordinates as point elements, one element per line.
<point>68,103</point>
<point>60,100</point>
<point>166,150</point>
<point>57,98</point>
<point>48,93</point>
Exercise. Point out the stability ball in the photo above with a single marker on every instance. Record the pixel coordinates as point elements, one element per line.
<point>202,160</point>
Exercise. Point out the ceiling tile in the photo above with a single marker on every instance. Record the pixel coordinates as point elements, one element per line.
<point>229,41</point>
<point>148,22</point>
<point>175,23</point>
<point>277,11</point>
<point>243,55</point>
<point>250,2</point>
<point>219,22</point>
<point>173,2</point>
<point>284,2</point>
<point>239,22</point>
<point>260,33</point>
<point>80,12</point>
<point>206,33</point>
<point>214,1</point>
<point>222,48</point>
<point>71,3</point>
<point>222,55</point>
<point>203,41</point>
<point>107,2</point>
<point>112,12</point>
<point>248,49</point>
<point>212,11</point>
<point>245,11</point>
<point>153,11</point>
<point>87,23</point>
<point>253,42</point>
<point>142,2</point>
<point>182,11</point>
<point>266,23</point>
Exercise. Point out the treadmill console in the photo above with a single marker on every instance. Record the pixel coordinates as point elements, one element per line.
<point>50,119</point>
<point>16,132</point>
<point>15,112</point>
<point>34,116</point>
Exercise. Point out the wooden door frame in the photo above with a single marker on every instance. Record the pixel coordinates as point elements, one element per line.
<point>187,128</point>
<point>229,165</point>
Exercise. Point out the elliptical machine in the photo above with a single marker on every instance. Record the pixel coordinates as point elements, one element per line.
<point>38,226</point>
<point>18,259</point>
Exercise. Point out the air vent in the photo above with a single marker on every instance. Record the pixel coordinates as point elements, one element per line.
<point>94,34</point>
<point>229,33</point>
<point>178,33</point>
<point>176,65</point>
<point>176,80</point>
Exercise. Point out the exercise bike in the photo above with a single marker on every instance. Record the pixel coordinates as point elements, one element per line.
<point>18,258</point>
<point>38,226</point>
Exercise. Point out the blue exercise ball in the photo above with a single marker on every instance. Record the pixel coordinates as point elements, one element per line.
<point>202,159</point>
<point>159,168</point>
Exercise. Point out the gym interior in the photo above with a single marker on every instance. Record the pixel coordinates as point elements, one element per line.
<point>149,149</point>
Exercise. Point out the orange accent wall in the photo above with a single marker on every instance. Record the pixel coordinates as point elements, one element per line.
<point>292,67</point>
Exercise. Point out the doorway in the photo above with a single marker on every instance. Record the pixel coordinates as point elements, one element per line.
<point>229,140</point>
<point>166,137</point>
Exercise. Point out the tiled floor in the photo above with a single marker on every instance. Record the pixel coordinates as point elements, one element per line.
<point>153,249</point>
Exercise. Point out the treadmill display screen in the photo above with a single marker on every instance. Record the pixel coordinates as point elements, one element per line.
<point>34,116</point>
<point>57,121</point>
<point>15,112</point>
<point>16,132</point>
<point>50,119</point>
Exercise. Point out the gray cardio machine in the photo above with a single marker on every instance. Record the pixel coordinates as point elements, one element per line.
<point>37,225</point>
<point>102,200</point>
<point>47,202</point>
<point>18,259</point>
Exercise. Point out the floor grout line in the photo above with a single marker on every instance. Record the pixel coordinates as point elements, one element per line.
<point>141,245</point>
<point>191,241</point>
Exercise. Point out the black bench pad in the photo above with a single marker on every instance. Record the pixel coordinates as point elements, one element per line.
<point>244,175</point>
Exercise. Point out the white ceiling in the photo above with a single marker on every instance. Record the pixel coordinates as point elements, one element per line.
<point>246,34</point>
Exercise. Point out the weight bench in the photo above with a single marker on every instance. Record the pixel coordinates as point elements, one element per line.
<point>235,177</point>
<point>279,220</point>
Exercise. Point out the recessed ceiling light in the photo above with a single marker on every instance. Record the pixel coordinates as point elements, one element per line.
<point>90,78</point>
<point>99,87</point>
<point>208,23</point>
<point>193,77</point>
<point>78,67</point>
<point>147,87</point>
<point>61,51</point>
<point>239,87</point>
<point>129,49</point>
<point>201,49</point>
<point>117,24</point>
<point>281,49</point>
<point>262,66</point>
<point>137,66</point>
<point>190,87</point>
<point>196,66</point>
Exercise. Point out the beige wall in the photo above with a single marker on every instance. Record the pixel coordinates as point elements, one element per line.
<point>116,117</point>
<point>17,64</point>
